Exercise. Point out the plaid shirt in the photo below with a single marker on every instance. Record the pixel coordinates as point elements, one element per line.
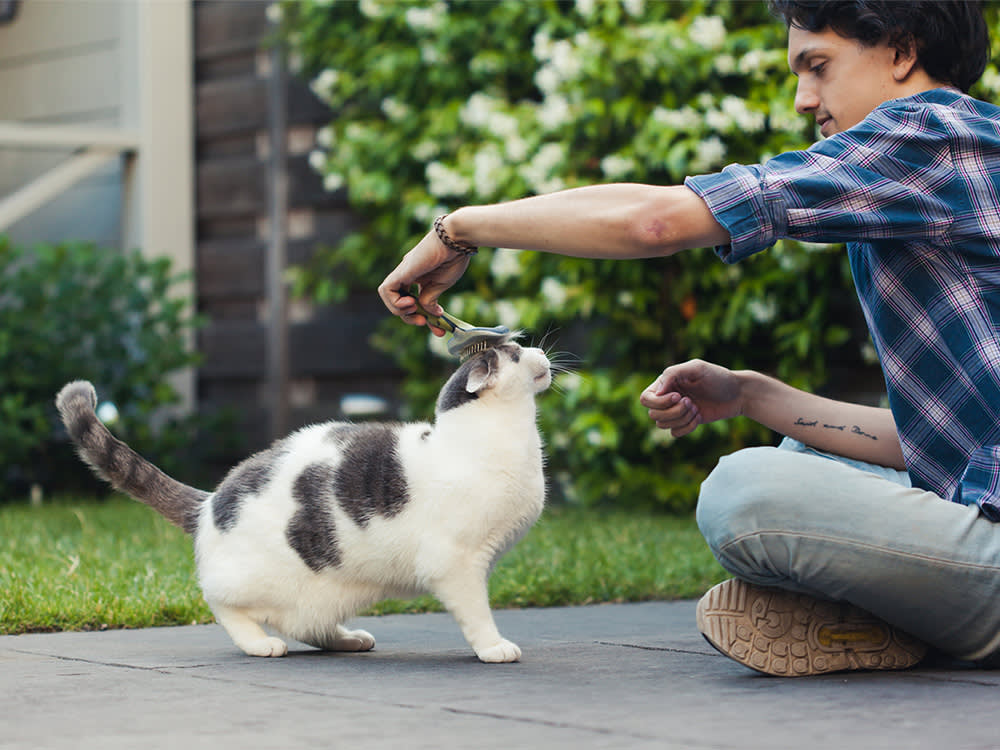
<point>914,190</point>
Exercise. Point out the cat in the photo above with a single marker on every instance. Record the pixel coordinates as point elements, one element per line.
<point>339,515</point>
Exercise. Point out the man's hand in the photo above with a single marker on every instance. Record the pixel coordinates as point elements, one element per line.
<point>431,265</point>
<point>692,393</point>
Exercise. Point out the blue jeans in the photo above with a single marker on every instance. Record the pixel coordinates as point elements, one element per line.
<point>839,529</point>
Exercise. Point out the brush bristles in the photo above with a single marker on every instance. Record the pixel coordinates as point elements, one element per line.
<point>475,348</point>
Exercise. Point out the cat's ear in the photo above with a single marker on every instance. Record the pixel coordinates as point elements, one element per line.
<point>482,372</point>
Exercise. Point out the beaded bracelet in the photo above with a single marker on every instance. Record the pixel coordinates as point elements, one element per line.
<point>462,248</point>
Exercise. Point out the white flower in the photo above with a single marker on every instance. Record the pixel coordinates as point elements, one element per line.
<point>744,118</point>
<point>708,32</point>
<point>274,13</point>
<point>425,212</point>
<point>586,7</point>
<point>507,314</point>
<point>678,119</point>
<point>438,345</point>
<point>554,292</point>
<point>565,59</point>
<point>504,125</point>
<point>554,112</point>
<point>394,109</point>
<point>333,182</point>
<point>323,84</point>
<point>762,311</point>
<point>505,264</point>
<point>442,181</point>
<point>324,137</point>
<point>486,166</point>
<point>570,381</point>
<point>427,19</point>
<point>717,120</point>
<point>550,155</point>
<point>724,64</point>
<point>538,172</point>
<point>478,110</point>
<point>107,412</point>
<point>425,150</point>
<point>541,46</point>
<point>991,80</point>
<point>661,437</point>
<point>758,60</point>
<point>616,167</point>
<point>429,54</point>
<point>634,7</point>
<point>868,353</point>
<point>547,79</point>
<point>708,153</point>
<point>317,160</point>
<point>626,299</point>
<point>594,437</point>
<point>371,8</point>
<point>516,148</point>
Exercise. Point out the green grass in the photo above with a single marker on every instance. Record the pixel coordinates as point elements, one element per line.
<point>80,565</point>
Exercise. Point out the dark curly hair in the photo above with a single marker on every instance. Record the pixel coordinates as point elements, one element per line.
<point>951,39</point>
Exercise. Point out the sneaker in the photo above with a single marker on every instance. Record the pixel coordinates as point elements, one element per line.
<point>786,634</point>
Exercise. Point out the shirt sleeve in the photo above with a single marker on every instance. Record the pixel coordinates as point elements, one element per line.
<point>889,177</point>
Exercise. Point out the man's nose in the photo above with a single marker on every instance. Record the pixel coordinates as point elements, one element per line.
<point>806,99</point>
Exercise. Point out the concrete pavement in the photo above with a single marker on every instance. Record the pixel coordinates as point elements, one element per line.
<point>608,676</point>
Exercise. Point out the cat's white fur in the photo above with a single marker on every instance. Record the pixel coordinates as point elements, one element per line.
<point>475,486</point>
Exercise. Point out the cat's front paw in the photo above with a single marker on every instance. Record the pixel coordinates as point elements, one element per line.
<point>504,651</point>
<point>266,647</point>
<point>354,640</point>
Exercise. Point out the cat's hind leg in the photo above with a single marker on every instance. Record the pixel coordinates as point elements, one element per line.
<point>247,633</point>
<point>342,639</point>
<point>466,596</point>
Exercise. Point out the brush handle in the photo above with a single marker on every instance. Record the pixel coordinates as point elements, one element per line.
<point>444,320</point>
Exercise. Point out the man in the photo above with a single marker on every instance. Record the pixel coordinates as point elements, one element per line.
<point>846,550</point>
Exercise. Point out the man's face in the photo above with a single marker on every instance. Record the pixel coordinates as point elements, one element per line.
<point>840,81</point>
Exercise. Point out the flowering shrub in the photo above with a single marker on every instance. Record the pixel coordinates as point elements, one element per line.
<point>439,105</point>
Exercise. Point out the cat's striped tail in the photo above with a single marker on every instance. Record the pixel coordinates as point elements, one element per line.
<point>118,464</point>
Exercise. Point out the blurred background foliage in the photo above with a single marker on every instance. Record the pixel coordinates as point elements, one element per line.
<point>442,104</point>
<point>76,311</point>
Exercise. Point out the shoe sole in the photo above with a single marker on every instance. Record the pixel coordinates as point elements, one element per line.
<point>791,635</point>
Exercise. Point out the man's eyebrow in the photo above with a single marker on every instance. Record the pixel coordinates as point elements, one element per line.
<point>799,62</point>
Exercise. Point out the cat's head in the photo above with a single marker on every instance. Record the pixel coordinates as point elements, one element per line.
<point>507,371</point>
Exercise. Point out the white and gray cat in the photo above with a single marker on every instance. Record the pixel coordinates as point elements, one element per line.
<point>338,516</point>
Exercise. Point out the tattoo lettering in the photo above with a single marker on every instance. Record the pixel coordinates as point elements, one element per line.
<point>855,430</point>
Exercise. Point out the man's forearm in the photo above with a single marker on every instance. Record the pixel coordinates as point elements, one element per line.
<point>864,433</point>
<point>601,221</point>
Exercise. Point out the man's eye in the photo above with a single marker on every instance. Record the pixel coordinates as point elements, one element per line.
<point>817,68</point>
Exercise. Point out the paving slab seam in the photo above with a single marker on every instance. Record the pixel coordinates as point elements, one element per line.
<point>658,648</point>
<point>604,731</point>
<point>95,662</point>
<point>548,723</point>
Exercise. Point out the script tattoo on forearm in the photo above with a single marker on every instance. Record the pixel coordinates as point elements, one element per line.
<point>855,430</point>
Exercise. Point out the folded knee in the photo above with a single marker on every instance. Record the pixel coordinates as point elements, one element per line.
<point>747,491</point>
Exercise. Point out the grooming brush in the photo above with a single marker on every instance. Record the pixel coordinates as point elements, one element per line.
<point>466,339</point>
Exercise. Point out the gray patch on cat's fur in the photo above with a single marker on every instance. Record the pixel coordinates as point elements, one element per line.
<point>248,478</point>
<point>312,532</point>
<point>369,480</point>
<point>340,432</point>
<point>455,392</point>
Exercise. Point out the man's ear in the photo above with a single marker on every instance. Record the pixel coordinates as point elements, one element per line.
<point>483,371</point>
<point>905,60</point>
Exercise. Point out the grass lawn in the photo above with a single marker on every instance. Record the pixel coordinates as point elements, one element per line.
<point>72,565</point>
